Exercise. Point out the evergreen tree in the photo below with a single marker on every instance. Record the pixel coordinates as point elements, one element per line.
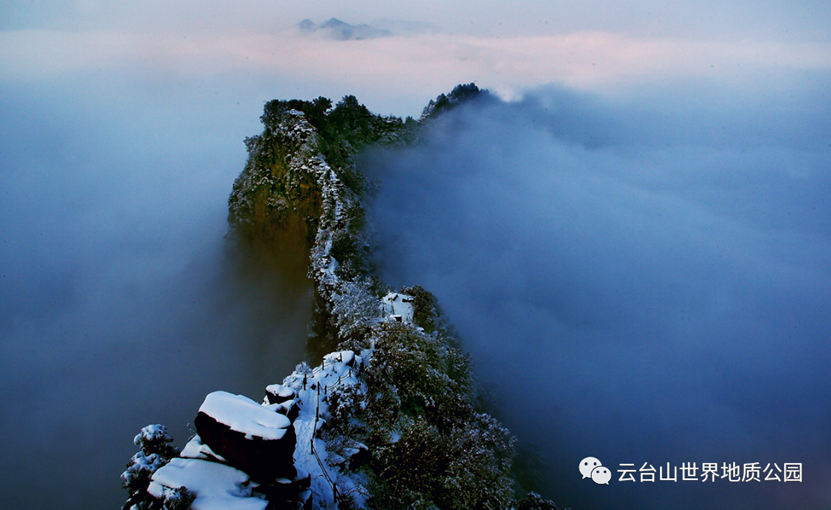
<point>156,451</point>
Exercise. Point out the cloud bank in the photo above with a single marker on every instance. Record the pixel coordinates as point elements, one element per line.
<point>414,67</point>
<point>637,285</point>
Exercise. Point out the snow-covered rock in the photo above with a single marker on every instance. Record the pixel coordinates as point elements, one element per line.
<point>276,393</point>
<point>241,414</point>
<point>252,437</point>
<point>216,486</point>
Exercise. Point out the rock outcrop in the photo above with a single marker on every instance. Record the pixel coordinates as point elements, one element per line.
<point>256,439</point>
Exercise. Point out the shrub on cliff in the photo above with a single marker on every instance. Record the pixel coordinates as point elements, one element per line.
<point>463,468</point>
<point>461,94</point>
<point>428,445</point>
<point>156,451</point>
<point>355,309</point>
<point>426,376</point>
<point>178,499</point>
<point>426,311</point>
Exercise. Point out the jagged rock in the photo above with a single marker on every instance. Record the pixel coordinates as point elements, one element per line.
<point>251,437</point>
<point>345,357</point>
<point>283,493</point>
<point>276,199</point>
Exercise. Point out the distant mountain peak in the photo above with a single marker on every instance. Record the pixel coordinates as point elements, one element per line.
<point>337,29</point>
<point>334,23</point>
<point>307,25</point>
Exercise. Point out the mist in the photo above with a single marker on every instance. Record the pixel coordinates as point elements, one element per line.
<point>641,279</point>
<point>121,303</point>
<point>639,269</point>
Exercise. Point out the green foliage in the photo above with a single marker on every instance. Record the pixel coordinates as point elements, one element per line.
<point>465,92</point>
<point>426,376</point>
<point>351,253</point>
<point>350,246</point>
<point>343,131</point>
<point>409,469</point>
<point>426,312</point>
<point>315,111</point>
<point>344,403</point>
<point>459,94</point>
<point>463,468</point>
<point>355,310</point>
<point>479,456</point>
<point>352,120</point>
<point>428,446</point>
<point>154,439</point>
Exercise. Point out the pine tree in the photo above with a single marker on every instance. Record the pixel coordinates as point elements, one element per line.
<point>156,451</point>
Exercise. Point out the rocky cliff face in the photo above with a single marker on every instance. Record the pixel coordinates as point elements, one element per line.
<point>277,196</point>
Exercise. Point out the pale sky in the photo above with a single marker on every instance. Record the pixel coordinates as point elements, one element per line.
<point>607,47</point>
<point>807,19</point>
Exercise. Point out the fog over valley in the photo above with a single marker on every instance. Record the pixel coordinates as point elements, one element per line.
<point>651,295</point>
<point>121,303</point>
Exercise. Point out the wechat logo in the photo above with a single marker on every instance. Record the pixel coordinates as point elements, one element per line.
<point>592,468</point>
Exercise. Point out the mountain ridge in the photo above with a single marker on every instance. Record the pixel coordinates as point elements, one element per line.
<point>389,418</point>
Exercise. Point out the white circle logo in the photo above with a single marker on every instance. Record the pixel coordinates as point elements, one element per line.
<point>601,475</point>
<point>587,465</point>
